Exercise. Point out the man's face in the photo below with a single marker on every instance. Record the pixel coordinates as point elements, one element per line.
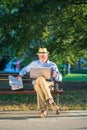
<point>43,57</point>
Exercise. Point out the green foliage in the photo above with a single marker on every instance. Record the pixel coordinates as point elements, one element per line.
<point>70,100</point>
<point>75,77</point>
<point>59,25</point>
<point>69,30</point>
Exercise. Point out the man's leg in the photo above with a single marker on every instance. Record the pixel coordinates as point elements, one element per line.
<point>41,86</point>
<point>40,97</point>
<point>41,102</point>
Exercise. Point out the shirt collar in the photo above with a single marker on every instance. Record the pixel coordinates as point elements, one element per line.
<point>44,62</point>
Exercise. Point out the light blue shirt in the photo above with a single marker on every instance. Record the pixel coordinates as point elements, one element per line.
<point>38,63</point>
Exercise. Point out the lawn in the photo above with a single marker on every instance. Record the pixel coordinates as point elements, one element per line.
<point>70,100</point>
<point>75,77</point>
<point>74,100</point>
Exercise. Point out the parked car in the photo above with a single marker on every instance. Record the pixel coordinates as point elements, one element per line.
<point>13,66</point>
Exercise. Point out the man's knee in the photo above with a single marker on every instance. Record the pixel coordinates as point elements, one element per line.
<point>39,79</point>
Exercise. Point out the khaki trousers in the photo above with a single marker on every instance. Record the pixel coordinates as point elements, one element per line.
<point>42,89</point>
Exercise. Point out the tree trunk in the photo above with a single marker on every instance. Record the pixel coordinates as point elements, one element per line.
<point>68,68</point>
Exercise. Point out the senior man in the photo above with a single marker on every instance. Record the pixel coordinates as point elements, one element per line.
<point>41,85</point>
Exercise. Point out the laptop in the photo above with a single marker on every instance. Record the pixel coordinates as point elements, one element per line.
<point>15,83</point>
<point>36,72</point>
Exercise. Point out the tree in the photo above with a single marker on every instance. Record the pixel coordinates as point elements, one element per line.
<point>58,25</point>
<point>68,29</point>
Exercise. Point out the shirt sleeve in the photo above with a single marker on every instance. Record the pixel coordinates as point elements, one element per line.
<point>59,76</point>
<point>26,69</point>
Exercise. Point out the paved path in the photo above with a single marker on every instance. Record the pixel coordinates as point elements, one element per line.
<point>16,120</point>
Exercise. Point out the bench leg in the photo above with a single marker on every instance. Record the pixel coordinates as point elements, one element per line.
<point>57,102</point>
<point>56,87</point>
<point>57,99</point>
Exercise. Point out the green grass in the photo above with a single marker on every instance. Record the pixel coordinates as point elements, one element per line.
<point>74,100</point>
<point>75,77</point>
<point>70,100</point>
<point>17,102</point>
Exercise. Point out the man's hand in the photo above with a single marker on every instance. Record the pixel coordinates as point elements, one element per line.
<point>54,74</point>
<point>18,77</point>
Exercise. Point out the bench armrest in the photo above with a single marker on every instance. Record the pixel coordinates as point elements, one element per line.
<point>56,85</point>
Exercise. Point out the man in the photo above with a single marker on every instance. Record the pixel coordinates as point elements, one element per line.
<point>41,85</point>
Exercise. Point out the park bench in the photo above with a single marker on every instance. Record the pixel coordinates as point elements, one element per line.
<point>27,89</point>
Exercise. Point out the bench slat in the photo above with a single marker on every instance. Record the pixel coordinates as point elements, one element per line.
<point>27,91</point>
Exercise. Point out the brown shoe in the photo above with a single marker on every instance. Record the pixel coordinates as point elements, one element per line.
<point>54,107</point>
<point>43,113</point>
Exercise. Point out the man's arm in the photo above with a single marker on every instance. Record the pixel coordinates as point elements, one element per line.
<point>24,71</point>
<point>56,74</point>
